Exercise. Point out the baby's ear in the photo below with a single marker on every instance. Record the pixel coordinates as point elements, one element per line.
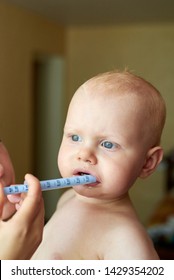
<point>153,158</point>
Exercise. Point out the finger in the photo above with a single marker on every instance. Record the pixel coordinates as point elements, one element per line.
<point>33,181</point>
<point>14,198</point>
<point>33,201</point>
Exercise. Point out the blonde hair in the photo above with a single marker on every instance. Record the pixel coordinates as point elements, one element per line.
<point>127,83</point>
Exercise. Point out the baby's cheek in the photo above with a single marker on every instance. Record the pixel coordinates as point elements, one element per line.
<point>61,161</point>
<point>62,157</point>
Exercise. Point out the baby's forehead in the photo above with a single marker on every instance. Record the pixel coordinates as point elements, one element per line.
<point>103,99</point>
<point>114,85</point>
<point>99,90</point>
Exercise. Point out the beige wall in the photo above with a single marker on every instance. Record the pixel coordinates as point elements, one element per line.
<point>148,50</point>
<point>23,36</point>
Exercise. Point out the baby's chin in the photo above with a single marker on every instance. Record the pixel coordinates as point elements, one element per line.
<point>87,191</point>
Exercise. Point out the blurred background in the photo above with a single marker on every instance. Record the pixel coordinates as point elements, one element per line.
<point>49,48</point>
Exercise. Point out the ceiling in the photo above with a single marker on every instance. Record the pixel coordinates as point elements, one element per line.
<point>80,12</point>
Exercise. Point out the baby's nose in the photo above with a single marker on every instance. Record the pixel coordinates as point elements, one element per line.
<point>87,155</point>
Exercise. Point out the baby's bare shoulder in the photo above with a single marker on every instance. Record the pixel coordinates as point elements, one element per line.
<point>65,197</point>
<point>130,241</point>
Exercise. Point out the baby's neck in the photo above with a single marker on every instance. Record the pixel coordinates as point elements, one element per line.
<point>104,202</point>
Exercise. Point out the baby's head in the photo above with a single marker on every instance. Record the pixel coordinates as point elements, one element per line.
<point>145,101</point>
<point>113,130</point>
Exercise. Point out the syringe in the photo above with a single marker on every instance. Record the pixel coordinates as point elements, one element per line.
<point>53,184</point>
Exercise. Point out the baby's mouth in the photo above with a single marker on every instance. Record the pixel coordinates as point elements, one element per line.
<point>81,173</point>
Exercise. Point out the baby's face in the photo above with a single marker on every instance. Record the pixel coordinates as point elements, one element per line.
<point>7,175</point>
<point>103,137</point>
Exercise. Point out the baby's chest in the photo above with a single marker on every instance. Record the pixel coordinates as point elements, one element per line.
<point>73,235</point>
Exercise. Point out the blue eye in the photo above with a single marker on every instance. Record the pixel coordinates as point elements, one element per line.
<point>76,138</point>
<point>108,145</point>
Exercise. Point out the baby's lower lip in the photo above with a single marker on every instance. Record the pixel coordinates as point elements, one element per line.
<point>92,184</point>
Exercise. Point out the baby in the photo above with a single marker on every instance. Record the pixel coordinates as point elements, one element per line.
<point>112,131</point>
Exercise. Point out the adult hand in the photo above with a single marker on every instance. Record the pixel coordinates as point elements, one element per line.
<point>21,235</point>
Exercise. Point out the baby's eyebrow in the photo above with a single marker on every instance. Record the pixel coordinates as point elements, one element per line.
<point>70,128</point>
<point>67,129</point>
